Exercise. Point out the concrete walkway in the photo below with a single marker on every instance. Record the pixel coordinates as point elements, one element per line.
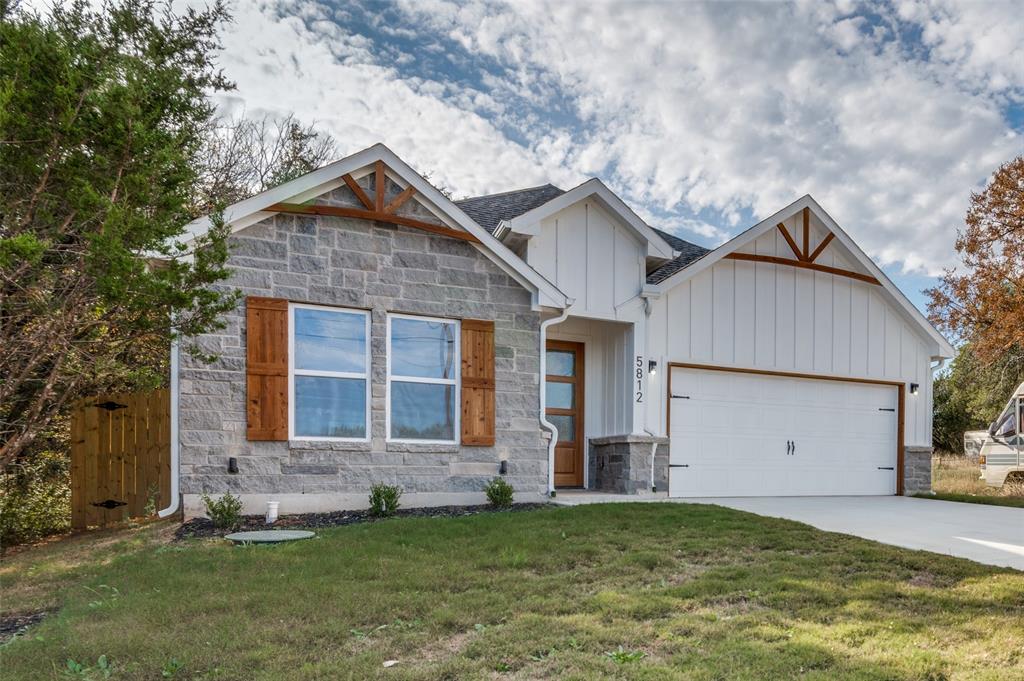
<point>987,534</point>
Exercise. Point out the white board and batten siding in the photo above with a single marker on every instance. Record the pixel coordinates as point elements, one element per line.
<point>592,258</point>
<point>758,315</point>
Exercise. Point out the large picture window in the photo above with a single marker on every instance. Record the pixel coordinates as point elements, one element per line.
<point>423,369</point>
<point>329,362</point>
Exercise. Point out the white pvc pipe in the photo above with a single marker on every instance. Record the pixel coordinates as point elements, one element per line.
<point>545,424</point>
<point>174,501</point>
<point>654,454</point>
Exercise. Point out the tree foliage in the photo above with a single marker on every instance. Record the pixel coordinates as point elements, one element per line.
<point>102,118</point>
<point>243,157</point>
<point>982,302</point>
<point>981,305</point>
<point>970,395</point>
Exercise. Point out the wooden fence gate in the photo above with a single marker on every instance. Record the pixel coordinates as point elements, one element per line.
<point>120,457</point>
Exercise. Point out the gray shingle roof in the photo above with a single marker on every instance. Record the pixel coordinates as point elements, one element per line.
<point>688,253</point>
<point>489,210</point>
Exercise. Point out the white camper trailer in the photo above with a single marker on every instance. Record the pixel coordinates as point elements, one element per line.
<point>974,440</point>
<point>1003,451</point>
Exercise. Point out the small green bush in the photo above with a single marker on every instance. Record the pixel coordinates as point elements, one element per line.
<point>384,500</point>
<point>226,512</point>
<point>499,493</point>
<point>35,498</point>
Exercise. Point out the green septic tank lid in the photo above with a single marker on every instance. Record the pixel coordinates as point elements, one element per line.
<point>268,536</point>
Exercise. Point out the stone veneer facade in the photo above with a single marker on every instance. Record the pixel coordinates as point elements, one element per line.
<point>917,470</point>
<point>383,268</point>
<point>621,464</point>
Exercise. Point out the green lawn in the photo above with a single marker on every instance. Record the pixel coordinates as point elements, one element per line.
<point>1016,502</point>
<point>685,591</point>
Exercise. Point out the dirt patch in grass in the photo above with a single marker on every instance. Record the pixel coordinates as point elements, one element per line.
<point>15,625</point>
<point>445,647</point>
<point>203,527</point>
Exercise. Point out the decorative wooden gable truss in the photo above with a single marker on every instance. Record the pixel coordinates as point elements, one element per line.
<point>805,257</point>
<point>374,208</point>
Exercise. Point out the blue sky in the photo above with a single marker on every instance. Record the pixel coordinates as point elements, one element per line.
<point>703,117</point>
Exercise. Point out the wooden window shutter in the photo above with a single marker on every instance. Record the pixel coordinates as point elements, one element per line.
<point>266,368</point>
<point>477,382</point>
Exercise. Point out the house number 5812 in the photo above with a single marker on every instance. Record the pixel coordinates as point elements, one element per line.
<point>639,378</point>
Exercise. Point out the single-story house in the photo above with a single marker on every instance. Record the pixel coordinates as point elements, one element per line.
<point>389,334</point>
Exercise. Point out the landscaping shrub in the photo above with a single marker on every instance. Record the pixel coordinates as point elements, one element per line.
<point>226,512</point>
<point>35,498</point>
<point>384,499</point>
<point>499,493</point>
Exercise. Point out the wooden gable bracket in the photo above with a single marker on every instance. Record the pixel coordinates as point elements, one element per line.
<point>804,256</point>
<point>374,209</point>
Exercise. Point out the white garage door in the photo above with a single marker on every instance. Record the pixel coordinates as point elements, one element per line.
<point>739,434</point>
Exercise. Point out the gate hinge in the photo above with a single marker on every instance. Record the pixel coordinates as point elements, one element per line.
<point>679,465</point>
<point>680,397</point>
<point>886,409</point>
<point>110,405</point>
<point>109,503</point>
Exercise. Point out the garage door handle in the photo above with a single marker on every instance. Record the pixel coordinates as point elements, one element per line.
<point>680,397</point>
<point>886,468</point>
<point>679,465</point>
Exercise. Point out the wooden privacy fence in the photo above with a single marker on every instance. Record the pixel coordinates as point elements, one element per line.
<point>120,457</point>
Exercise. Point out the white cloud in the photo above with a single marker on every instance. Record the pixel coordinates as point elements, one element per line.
<point>739,108</point>
<point>291,58</point>
<point>723,108</point>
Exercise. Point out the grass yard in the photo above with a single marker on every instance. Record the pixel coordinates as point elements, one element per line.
<point>1014,502</point>
<point>626,591</point>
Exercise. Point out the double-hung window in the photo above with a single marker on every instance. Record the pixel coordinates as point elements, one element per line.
<point>329,382</point>
<point>423,370</point>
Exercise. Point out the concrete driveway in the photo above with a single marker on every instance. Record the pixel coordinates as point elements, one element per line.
<point>986,534</point>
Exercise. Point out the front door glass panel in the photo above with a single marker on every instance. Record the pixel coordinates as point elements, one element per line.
<point>560,395</point>
<point>561,363</point>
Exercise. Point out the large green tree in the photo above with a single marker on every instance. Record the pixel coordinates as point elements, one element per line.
<point>102,119</point>
<point>971,393</point>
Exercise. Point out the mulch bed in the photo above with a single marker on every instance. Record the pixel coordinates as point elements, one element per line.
<point>203,527</point>
<point>14,625</point>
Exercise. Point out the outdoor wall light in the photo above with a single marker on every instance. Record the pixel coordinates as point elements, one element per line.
<point>914,387</point>
<point>503,467</point>
<point>232,465</point>
<point>652,367</point>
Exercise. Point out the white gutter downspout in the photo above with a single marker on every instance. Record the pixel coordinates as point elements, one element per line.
<point>175,500</point>
<point>654,445</point>
<point>544,423</point>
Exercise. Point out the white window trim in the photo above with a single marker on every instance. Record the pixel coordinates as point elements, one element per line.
<point>293,372</point>
<point>457,381</point>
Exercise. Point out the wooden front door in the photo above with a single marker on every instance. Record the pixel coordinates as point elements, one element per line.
<point>564,408</point>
